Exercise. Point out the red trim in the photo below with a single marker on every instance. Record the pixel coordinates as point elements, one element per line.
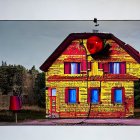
<point>77,95</point>
<point>100,95</point>
<point>106,67</point>
<point>53,107</point>
<point>105,77</point>
<point>100,65</point>
<point>66,94</point>
<point>83,66</point>
<point>103,114</point>
<point>49,92</point>
<point>122,67</point>
<point>67,68</point>
<point>88,95</point>
<point>123,95</point>
<point>112,95</point>
<point>89,65</point>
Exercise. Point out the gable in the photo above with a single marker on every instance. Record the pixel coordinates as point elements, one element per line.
<point>74,49</point>
<point>75,36</point>
<point>119,54</point>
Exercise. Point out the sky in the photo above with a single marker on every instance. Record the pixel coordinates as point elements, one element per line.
<point>31,42</point>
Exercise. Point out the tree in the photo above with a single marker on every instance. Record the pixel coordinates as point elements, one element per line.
<point>4,63</point>
<point>137,93</point>
<point>10,77</point>
<point>40,89</point>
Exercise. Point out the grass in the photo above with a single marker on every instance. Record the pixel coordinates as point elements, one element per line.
<point>9,116</point>
<point>34,113</point>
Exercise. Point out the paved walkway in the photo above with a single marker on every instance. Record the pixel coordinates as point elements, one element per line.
<point>79,122</point>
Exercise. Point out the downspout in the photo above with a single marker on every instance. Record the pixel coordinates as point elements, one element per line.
<point>87,76</point>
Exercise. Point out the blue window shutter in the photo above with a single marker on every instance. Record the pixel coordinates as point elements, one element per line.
<point>111,67</point>
<point>78,68</point>
<point>94,95</point>
<point>72,95</point>
<point>118,96</point>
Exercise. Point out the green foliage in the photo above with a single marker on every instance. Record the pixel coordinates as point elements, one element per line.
<point>40,89</point>
<point>33,71</point>
<point>10,76</point>
<point>18,80</point>
<point>137,93</point>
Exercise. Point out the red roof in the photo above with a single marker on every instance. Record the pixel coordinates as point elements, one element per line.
<point>74,36</point>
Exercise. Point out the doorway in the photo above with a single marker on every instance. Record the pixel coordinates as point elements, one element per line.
<point>53,100</point>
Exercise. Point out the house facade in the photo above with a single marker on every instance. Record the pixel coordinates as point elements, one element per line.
<point>91,75</point>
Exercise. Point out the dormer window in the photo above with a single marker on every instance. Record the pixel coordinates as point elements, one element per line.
<point>72,68</point>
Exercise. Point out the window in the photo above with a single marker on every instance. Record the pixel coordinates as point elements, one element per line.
<point>53,92</point>
<point>72,95</point>
<point>113,67</point>
<point>94,95</point>
<point>117,67</point>
<point>117,95</point>
<point>72,68</point>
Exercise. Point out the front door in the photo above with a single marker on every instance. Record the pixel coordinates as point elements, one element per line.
<point>53,101</point>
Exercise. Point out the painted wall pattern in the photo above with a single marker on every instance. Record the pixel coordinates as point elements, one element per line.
<point>55,78</point>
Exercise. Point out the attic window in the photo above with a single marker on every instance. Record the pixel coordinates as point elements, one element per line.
<point>72,68</point>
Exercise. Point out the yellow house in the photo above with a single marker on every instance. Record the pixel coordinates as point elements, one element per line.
<point>84,85</point>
